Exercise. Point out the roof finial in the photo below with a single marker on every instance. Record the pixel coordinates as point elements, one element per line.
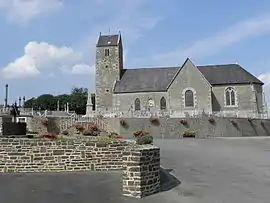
<point>99,33</point>
<point>119,32</point>
<point>109,31</point>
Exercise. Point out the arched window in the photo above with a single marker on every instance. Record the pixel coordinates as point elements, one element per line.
<point>107,52</point>
<point>189,98</point>
<point>162,103</point>
<point>137,104</point>
<point>230,96</point>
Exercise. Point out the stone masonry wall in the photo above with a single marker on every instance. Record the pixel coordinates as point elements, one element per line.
<point>40,155</point>
<point>141,175</point>
<point>171,128</point>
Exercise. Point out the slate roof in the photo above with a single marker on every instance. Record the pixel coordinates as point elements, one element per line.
<point>107,40</point>
<point>158,79</point>
<point>227,74</point>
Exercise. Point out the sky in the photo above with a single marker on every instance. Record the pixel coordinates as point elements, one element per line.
<point>48,46</point>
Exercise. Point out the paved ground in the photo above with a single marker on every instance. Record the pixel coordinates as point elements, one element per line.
<point>210,171</point>
<point>219,171</point>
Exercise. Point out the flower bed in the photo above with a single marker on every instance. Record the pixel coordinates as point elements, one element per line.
<point>211,120</point>
<point>189,133</point>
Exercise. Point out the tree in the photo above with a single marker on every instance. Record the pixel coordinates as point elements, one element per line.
<point>77,100</point>
<point>29,103</point>
<point>63,99</point>
<point>45,102</point>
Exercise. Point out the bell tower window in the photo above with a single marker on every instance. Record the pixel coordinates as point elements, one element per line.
<point>107,52</point>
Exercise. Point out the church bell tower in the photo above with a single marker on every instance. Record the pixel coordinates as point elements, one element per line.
<point>109,64</point>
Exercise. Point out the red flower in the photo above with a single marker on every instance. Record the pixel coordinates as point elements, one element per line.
<point>51,135</point>
<point>122,122</point>
<point>140,133</point>
<point>211,119</point>
<point>183,121</point>
<point>116,136</point>
<point>234,122</point>
<point>93,126</point>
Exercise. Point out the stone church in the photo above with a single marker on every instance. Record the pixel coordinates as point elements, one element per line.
<point>222,90</point>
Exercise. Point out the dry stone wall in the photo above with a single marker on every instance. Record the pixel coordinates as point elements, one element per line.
<point>41,155</point>
<point>141,171</point>
<point>140,164</point>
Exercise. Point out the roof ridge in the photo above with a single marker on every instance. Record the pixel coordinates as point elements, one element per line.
<point>223,64</point>
<point>160,67</point>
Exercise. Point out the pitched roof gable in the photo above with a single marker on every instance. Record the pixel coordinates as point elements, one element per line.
<point>158,79</point>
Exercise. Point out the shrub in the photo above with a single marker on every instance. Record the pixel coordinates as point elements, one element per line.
<point>189,133</point>
<point>44,121</point>
<point>79,127</point>
<point>143,140</point>
<point>65,132</point>
<point>140,133</point>
<point>88,133</point>
<point>92,131</point>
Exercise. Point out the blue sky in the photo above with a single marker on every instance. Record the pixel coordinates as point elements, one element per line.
<point>47,46</point>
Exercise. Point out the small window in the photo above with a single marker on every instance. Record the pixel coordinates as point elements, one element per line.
<point>189,98</point>
<point>137,104</point>
<point>106,66</point>
<point>162,103</point>
<point>107,90</point>
<point>107,52</point>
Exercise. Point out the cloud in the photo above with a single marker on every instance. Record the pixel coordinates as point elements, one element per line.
<point>238,32</point>
<point>132,18</point>
<point>22,11</point>
<point>42,58</point>
<point>266,79</point>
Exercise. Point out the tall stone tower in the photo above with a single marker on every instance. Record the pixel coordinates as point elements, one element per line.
<point>109,65</point>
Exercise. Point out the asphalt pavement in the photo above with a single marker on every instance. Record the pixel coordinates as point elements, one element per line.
<point>205,171</point>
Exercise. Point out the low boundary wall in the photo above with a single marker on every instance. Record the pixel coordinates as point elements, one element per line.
<point>140,164</point>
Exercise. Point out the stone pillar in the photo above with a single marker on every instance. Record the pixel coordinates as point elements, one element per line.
<point>141,165</point>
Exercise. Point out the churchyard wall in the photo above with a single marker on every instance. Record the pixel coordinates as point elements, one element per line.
<point>38,155</point>
<point>141,176</point>
<point>165,128</point>
<point>139,163</point>
<point>172,128</point>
